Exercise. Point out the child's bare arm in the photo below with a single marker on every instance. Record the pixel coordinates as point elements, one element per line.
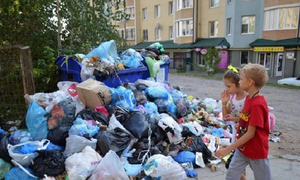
<point>225,98</point>
<point>229,117</point>
<point>245,138</point>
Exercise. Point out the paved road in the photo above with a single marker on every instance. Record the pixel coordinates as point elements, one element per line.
<point>286,103</point>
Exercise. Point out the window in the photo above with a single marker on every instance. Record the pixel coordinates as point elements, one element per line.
<point>265,60</point>
<point>184,28</point>
<point>200,60</point>
<point>228,30</point>
<point>229,2</point>
<point>283,18</point>
<point>244,57</point>
<point>214,3</point>
<point>248,24</point>
<point>130,34</point>
<point>181,4</point>
<point>171,7</point>
<point>171,32</point>
<point>145,14</point>
<point>157,33</point>
<point>213,28</point>
<point>130,11</point>
<point>157,11</point>
<point>145,35</point>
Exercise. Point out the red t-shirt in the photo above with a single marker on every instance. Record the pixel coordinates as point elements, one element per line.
<point>255,112</point>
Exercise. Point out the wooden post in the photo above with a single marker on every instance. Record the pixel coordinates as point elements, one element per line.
<point>27,70</point>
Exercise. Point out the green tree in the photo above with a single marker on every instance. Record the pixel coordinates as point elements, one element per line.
<point>212,60</point>
<point>85,24</point>
<point>88,23</point>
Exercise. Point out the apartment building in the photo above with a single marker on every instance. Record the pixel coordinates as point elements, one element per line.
<point>244,24</point>
<point>278,49</point>
<point>127,29</point>
<point>175,24</point>
<point>245,31</point>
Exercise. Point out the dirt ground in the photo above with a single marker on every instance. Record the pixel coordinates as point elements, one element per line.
<point>286,104</point>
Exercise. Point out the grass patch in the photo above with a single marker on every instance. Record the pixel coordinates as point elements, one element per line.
<point>214,77</point>
<point>283,86</point>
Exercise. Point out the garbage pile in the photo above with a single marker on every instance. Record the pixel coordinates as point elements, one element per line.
<point>148,129</point>
<point>88,130</point>
<point>106,65</point>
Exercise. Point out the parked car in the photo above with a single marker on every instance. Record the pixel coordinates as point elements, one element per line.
<point>290,81</point>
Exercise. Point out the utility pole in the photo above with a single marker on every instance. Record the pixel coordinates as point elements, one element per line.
<point>298,24</point>
<point>58,28</point>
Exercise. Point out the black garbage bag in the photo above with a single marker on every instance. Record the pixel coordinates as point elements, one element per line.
<point>156,51</point>
<point>162,105</point>
<point>90,114</point>
<point>158,135</point>
<point>183,108</point>
<point>116,139</point>
<point>197,145</point>
<point>59,135</point>
<point>141,86</point>
<point>137,124</point>
<point>50,163</point>
<point>120,113</point>
<point>3,147</point>
<point>62,113</point>
<point>101,75</point>
<point>140,97</point>
<point>186,132</point>
<point>152,121</point>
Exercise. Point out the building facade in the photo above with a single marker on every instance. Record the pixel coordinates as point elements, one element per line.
<point>245,31</point>
<point>244,24</point>
<point>278,50</point>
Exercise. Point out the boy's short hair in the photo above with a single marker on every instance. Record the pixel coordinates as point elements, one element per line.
<point>257,73</point>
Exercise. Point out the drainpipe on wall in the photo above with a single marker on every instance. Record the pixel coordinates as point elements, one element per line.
<point>195,20</point>
<point>294,69</point>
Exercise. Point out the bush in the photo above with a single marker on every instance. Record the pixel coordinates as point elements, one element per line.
<point>45,72</point>
<point>212,60</point>
<point>181,69</point>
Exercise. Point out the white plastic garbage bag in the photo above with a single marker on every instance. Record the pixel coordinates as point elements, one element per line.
<point>26,159</point>
<point>110,168</point>
<point>81,165</point>
<point>77,143</point>
<point>164,168</point>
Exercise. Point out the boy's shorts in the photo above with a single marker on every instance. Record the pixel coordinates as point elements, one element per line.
<point>239,162</point>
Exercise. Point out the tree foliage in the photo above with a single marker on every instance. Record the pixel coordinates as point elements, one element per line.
<point>212,60</point>
<point>86,23</point>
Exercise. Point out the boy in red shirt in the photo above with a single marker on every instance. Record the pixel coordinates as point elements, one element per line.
<point>253,132</point>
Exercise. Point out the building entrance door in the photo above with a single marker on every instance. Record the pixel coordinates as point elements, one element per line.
<point>278,65</point>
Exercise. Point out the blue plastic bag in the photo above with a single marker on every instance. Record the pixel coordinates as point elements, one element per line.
<point>81,127</point>
<point>26,149</point>
<point>106,51</point>
<point>19,136</point>
<point>131,59</point>
<point>157,93</point>
<point>36,121</point>
<point>123,98</point>
<point>17,173</point>
<point>52,147</point>
<point>185,156</point>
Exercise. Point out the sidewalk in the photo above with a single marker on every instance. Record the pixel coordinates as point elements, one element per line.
<point>285,167</point>
<point>201,72</point>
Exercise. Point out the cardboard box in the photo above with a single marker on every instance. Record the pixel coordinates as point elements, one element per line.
<point>93,93</point>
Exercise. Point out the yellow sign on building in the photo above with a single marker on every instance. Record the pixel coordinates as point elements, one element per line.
<point>269,49</point>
